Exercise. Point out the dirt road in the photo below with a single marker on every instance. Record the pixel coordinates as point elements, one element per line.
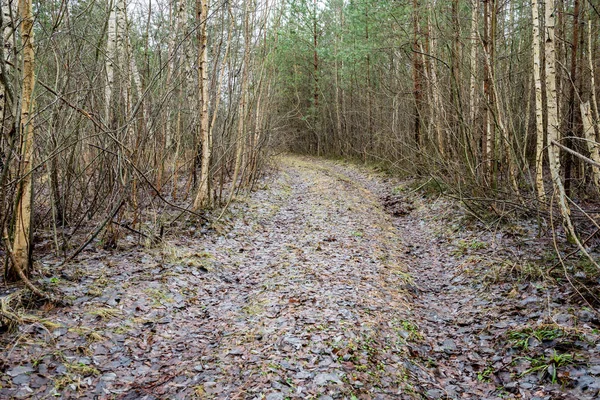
<point>327,282</point>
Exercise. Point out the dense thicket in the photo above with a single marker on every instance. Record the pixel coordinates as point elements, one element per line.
<point>142,111</point>
<point>480,94</point>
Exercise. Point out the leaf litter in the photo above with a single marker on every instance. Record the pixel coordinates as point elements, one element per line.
<point>331,281</point>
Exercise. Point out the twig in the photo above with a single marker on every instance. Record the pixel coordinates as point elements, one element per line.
<point>5,308</point>
<point>421,186</point>
<point>135,230</point>
<point>154,188</point>
<point>97,231</point>
<point>574,251</point>
<point>561,261</point>
<point>576,154</point>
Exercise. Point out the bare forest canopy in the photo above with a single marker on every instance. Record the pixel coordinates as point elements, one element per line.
<point>126,116</point>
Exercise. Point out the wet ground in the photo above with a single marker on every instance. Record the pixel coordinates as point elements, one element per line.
<point>330,281</point>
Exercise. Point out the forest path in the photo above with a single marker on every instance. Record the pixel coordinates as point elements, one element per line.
<point>329,281</point>
<point>315,302</point>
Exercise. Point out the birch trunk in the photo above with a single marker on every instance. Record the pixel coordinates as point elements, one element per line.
<point>417,74</point>
<point>572,107</point>
<point>592,78</point>
<point>539,122</point>
<point>111,45</point>
<point>203,194</point>
<point>590,136</point>
<point>438,114</point>
<point>22,231</point>
<point>240,140</point>
<point>473,62</point>
<point>124,54</point>
<point>553,121</point>
<point>488,141</point>
<point>7,34</point>
<point>177,20</point>
<point>336,76</point>
<point>369,90</point>
<point>121,7</point>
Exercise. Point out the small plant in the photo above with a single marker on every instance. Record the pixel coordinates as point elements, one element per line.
<point>94,291</point>
<point>82,369</point>
<point>521,338</point>
<point>485,375</point>
<point>399,189</point>
<point>430,188</point>
<point>101,281</point>
<point>477,245</point>
<point>199,391</point>
<point>412,330</point>
<point>464,246</point>
<point>90,334</point>
<point>505,271</point>
<point>549,364</point>
<point>158,296</point>
<point>62,382</point>
<point>105,312</point>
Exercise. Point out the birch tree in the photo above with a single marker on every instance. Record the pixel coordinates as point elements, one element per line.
<point>539,122</point>
<point>22,230</point>
<point>203,194</point>
<point>473,61</point>
<point>111,57</point>
<point>590,140</point>
<point>240,139</point>
<point>590,54</point>
<point>553,135</point>
<point>7,40</point>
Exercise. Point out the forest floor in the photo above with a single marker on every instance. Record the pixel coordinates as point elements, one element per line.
<point>330,281</point>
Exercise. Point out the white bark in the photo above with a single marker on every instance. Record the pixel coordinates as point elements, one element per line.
<point>125,58</point>
<point>590,136</point>
<point>7,38</point>
<point>592,77</point>
<point>539,123</point>
<point>473,61</point>
<point>121,10</point>
<point>553,121</point>
<point>111,45</point>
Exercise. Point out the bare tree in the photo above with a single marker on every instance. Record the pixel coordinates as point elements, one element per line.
<point>22,228</point>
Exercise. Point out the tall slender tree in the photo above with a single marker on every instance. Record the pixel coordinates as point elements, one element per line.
<point>539,122</point>
<point>22,229</point>
<point>203,193</point>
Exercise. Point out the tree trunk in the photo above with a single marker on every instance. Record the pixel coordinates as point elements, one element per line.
<point>369,140</point>
<point>240,139</point>
<point>437,115</point>
<point>553,134</point>
<point>203,194</point>
<point>417,74</point>
<point>539,122</point>
<point>489,128</point>
<point>592,145</point>
<point>22,232</point>
<point>473,62</point>
<point>592,78</point>
<point>7,33</point>
<point>111,56</point>
<point>572,109</point>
